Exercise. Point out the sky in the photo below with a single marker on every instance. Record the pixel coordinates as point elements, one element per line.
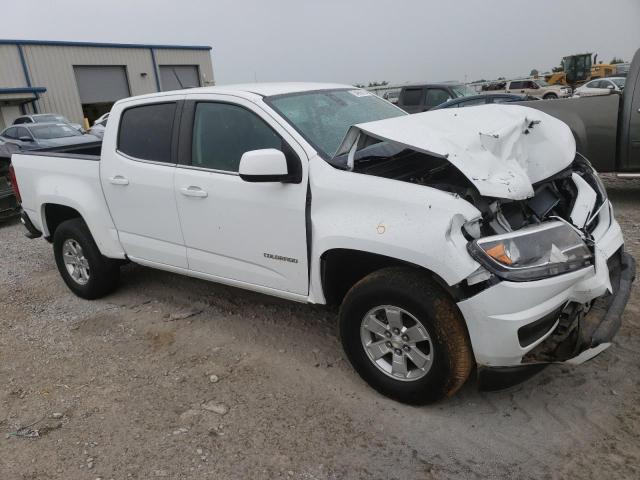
<point>347,41</point>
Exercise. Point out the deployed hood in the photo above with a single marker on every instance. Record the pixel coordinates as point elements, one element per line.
<point>501,149</point>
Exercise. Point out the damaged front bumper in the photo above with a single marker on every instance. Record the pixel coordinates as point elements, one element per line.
<point>517,328</point>
<point>579,335</point>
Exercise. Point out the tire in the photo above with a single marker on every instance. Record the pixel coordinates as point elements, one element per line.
<point>550,96</point>
<point>418,298</point>
<point>102,273</point>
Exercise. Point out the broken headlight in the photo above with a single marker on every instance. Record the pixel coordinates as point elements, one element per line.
<point>532,253</point>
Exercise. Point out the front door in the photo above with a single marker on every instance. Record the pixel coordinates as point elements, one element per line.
<point>435,97</point>
<point>136,171</point>
<point>250,233</point>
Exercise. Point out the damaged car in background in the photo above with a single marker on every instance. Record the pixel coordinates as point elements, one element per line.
<point>453,240</point>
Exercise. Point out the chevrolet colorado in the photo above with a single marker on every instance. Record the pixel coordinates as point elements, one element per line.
<point>452,240</point>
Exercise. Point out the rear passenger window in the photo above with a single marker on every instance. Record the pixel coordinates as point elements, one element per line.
<point>222,133</point>
<point>145,132</point>
<point>11,133</point>
<point>516,85</point>
<point>411,96</point>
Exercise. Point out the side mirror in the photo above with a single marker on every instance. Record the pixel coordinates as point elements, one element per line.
<point>26,139</point>
<point>267,165</point>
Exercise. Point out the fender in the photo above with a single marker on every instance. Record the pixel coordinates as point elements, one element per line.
<point>411,223</point>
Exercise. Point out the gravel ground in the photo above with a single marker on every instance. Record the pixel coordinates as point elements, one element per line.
<point>178,378</point>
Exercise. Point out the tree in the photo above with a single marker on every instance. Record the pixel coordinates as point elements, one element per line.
<point>378,84</point>
<point>534,73</point>
<point>615,60</point>
<point>557,69</point>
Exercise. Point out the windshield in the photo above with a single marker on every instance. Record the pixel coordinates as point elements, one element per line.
<point>542,83</point>
<point>47,132</point>
<point>49,118</point>
<point>463,91</point>
<point>323,117</point>
<point>618,81</point>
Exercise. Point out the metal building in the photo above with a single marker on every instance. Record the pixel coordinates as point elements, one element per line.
<point>82,80</point>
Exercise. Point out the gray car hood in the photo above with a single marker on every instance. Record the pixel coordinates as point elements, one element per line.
<point>501,149</point>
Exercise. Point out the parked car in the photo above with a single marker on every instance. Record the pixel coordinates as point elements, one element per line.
<point>45,118</point>
<point>99,126</point>
<point>391,96</point>
<point>423,97</point>
<point>534,88</point>
<point>30,136</point>
<point>8,204</point>
<point>484,100</point>
<point>452,239</point>
<point>601,86</point>
<point>606,128</point>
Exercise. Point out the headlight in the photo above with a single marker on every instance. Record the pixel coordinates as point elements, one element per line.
<point>532,253</point>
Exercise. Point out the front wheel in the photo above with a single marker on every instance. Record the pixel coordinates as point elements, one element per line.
<point>550,96</point>
<point>405,336</point>
<point>83,268</point>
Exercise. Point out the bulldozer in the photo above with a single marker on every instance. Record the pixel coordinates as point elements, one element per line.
<point>579,69</point>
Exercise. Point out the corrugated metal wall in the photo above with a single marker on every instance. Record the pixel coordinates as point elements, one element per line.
<point>11,74</point>
<point>51,66</point>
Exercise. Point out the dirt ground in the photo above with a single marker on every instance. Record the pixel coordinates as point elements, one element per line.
<point>179,378</point>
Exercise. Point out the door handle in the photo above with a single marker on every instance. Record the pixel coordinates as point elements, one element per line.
<point>118,180</point>
<point>193,191</point>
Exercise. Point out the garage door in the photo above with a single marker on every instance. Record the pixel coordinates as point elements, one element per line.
<point>176,77</point>
<point>102,84</point>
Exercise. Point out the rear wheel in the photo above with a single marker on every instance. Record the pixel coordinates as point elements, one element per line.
<point>83,268</point>
<point>405,336</point>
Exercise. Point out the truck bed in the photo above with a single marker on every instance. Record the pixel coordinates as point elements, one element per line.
<point>71,180</point>
<point>593,122</point>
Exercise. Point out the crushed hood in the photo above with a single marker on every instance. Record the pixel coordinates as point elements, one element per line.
<point>501,149</point>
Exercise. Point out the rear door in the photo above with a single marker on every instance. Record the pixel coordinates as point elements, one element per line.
<point>411,99</point>
<point>137,170</point>
<point>515,87</point>
<point>250,233</point>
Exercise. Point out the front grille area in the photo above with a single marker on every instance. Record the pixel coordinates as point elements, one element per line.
<point>534,331</point>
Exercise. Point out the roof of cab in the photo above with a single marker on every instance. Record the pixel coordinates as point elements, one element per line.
<point>251,89</point>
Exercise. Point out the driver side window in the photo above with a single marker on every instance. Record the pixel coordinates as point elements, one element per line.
<point>222,133</point>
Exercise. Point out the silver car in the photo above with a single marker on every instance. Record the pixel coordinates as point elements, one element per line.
<point>31,136</point>
<point>45,118</point>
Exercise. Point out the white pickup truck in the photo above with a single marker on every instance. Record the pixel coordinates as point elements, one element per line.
<point>453,240</point>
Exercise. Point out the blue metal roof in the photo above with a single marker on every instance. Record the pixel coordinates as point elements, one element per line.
<point>101,45</point>
<point>33,90</point>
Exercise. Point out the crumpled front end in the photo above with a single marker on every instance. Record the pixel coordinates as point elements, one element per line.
<point>517,325</point>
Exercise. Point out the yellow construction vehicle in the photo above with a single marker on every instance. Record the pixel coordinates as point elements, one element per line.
<point>578,69</point>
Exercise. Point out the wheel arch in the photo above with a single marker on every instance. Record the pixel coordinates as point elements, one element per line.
<point>54,211</point>
<point>341,268</point>
<point>53,214</point>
